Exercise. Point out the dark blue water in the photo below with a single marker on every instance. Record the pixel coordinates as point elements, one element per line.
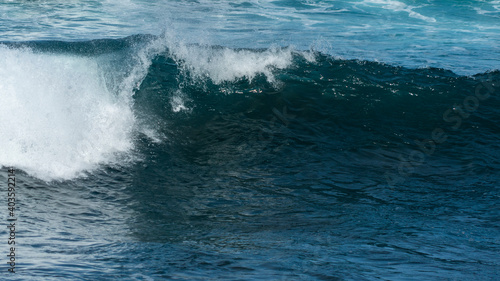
<point>185,154</point>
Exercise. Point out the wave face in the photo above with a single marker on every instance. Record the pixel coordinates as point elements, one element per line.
<point>75,106</point>
<point>400,122</point>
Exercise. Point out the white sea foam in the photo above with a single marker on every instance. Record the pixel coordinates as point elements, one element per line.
<point>400,7</point>
<point>58,118</point>
<point>178,102</point>
<point>224,64</point>
<point>495,5</point>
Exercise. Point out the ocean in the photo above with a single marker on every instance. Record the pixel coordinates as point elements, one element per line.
<point>250,140</point>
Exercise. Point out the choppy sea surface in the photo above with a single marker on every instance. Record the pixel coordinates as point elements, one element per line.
<point>251,140</point>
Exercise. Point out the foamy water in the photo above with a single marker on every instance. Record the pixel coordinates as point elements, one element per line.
<point>61,118</point>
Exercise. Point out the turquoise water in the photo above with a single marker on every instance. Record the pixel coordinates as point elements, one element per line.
<point>459,36</point>
<point>251,140</point>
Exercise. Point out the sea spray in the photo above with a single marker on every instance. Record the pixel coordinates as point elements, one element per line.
<point>58,118</point>
<point>65,114</point>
